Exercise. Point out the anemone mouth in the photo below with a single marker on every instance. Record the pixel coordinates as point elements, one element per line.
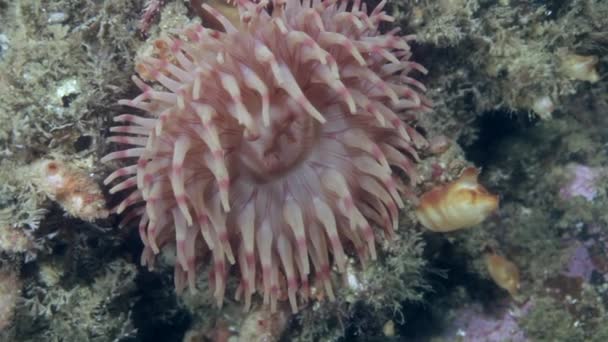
<point>279,148</point>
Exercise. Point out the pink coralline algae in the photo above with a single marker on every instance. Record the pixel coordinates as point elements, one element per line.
<point>580,264</point>
<point>582,183</point>
<point>472,324</point>
<point>271,144</point>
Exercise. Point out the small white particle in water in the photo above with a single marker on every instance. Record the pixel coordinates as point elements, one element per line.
<point>353,282</point>
<point>67,87</point>
<point>57,17</point>
<point>543,107</point>
<point>3,43</point>
<point>56,181</point>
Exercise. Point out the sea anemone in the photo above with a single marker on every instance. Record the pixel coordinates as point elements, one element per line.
<point>272,145</point>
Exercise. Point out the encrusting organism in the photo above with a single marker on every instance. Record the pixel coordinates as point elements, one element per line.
<point>10,290</point>
<point>15,240</point>
<point>271,145</point>
<point>77,193</point>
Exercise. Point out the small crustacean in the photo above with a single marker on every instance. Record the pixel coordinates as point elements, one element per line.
<point>504,273</point>
<point>459,204</point>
